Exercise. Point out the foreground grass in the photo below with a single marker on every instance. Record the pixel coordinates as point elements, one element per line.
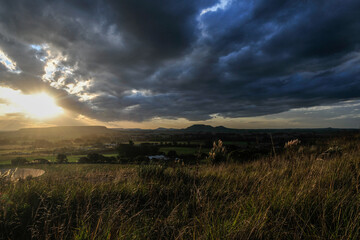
<point>293,197</point>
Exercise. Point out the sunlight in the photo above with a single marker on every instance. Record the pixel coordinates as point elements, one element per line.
<point>39,106</point>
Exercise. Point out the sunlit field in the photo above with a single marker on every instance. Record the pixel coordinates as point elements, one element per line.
<point>301,193</point>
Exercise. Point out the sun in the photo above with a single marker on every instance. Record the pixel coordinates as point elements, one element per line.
<point>41,106</point>
<point>38,106</point>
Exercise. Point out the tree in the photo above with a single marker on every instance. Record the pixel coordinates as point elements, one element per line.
<point>19,161</point>
<point>61,158</point>
<point>94,157</point>
<point>83,160</point>
<point>130,151</point>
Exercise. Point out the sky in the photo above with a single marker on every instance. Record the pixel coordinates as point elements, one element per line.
<point>167,63</point>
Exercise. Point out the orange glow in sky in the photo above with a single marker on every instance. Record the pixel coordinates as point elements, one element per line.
<point>37,106</point>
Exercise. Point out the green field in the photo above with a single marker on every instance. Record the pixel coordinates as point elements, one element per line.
<point>6,159</point>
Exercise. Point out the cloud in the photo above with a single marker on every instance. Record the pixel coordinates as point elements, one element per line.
<point>8,63</point>
<point>139,60</point>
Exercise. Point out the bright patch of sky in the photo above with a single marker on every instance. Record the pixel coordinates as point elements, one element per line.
<point>38,106</point>
<point>36,47</point>
<point>202,25</point>
<point>345,104</point>
<point>131,108</point>
<point>142,92</point>
<point>221,5</point>
<point>80,88</point>
<point>61,76</point>
<point>8,63</point>
<point>53,65</point>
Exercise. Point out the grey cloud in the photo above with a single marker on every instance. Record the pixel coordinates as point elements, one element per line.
<point>250,59</point>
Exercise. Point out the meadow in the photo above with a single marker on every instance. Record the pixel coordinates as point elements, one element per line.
<point>299,194</point>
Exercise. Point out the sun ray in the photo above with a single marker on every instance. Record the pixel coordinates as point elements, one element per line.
<point>38,106</point>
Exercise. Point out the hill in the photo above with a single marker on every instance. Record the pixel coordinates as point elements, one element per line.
<point>208,128</point>
<point>63,132</point>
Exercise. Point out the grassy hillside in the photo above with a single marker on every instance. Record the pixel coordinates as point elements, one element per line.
<point>295,196</point>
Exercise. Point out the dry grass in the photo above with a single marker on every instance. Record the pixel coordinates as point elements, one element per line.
<point>294,196</point>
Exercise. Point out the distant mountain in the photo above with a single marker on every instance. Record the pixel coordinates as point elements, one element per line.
<point>210,129</point>
<point>129,129</point>
<point>166,129</point>
<point>71,132</point>
<point>194,128</point>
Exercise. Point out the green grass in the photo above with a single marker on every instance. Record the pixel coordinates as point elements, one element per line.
<point>295,196</point>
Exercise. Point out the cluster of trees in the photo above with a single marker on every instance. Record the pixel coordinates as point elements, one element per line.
<point>21,161</point>
<point>175,143</point>
<point>61,158</point>
<point>97,158</point>
<point>131,151</point>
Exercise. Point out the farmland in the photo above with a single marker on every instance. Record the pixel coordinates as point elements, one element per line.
<point>6,159</point>
<point>308,190</point>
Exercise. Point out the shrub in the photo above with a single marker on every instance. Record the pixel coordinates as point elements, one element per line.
<point>142,159</point>
<point>61,158</point>
<point>94,158</point>
<point>83,160</point>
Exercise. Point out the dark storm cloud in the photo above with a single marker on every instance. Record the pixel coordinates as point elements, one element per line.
<point>186,59</point>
